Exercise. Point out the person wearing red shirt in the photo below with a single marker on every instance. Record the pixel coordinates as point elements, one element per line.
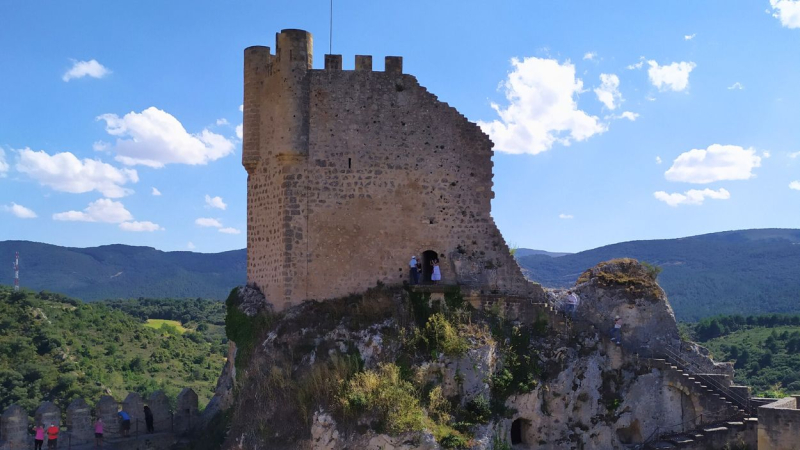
<point>52,436</point>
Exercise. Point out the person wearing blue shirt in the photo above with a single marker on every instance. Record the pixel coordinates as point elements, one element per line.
<point>125,423</point>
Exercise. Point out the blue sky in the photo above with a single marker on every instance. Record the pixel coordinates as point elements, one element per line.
<point>103,102</point>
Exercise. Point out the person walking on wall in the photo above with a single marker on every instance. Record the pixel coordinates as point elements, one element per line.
<point>616,331</point>
<point>413,266</point>
<point>38,438</point>
<point>148,419</point>
<point>125,423</point>
<point>52,436</point>
<point>98,433</point>
<point>571,306</point>
<point>436,275</point>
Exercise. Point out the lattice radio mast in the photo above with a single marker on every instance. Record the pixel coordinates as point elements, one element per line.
<point>16,272</point>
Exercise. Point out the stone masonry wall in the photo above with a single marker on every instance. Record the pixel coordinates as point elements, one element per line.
<point>15,429</point>
<point>779,425</point>
<point>350,173</point>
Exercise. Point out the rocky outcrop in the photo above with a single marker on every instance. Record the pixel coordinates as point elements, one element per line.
<point>541,385</point>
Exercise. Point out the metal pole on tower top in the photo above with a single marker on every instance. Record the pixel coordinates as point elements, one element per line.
<point>16,272</point>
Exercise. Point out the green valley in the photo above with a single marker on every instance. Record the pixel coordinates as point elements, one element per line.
<point>765,349</point>
<point>56,348</point>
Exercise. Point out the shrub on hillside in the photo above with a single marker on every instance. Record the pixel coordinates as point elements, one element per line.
<point>384,394</point>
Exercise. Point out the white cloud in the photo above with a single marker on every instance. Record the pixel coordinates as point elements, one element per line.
<point>766,154</point>
<point>208,222</point>
<point>229,230</point>
<point>240,131</point>
<point>222,121</point>
<point>717,163</point>
<point>658,160</point>
<point>3,164</point>
<point>156,138</point>
<point>190,245</point>
<point>100,146</point>
<point>542,108</point>
<point>589,56</point>
<point>632,116</point>
<point>638,65</point>
<point>156,192</point>
<point>215,202</point>
<point>788,11</point>
<point>689,37</point>
<point>20,211</point>
<point>673,77</point>
<point>82,69</point>
<point>102,210</point>
<point>737,86</point>
<point>241,108</point>
<point>691,197</point>
<point>566,216</point>
<point>794,155</point>
<point>140,226</point>
<point>608,92</point>
<point>65,172</point>
<point>795,185</point>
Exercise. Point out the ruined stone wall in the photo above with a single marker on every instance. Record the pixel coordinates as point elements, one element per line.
<point>779,425</point>
<point>79,430</point>
<point>355,172</point>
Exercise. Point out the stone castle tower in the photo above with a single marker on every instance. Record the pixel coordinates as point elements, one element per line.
<point>351,172</point>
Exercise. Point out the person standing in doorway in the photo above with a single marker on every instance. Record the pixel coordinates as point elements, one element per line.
<point>98,433</point>
<point>616,330</point>
<point>52,436</point>
<point>125,423</point>
<point>38,438</point>
<point>148,419</point>
<point>413,266</point>
<point>436,275</point>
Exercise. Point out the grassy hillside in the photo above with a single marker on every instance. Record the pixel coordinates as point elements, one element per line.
<point>745,272</point>
<point>122,271</point>
<point>56,348</point>
<point>765,349</point>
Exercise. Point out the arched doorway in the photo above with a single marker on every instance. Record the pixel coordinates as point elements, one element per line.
<point>520,428</point>
<point>428,256</point>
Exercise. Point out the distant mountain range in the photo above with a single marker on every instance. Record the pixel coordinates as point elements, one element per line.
<point>521,252</point>
<point>733,272</point>
<point>122,271</point>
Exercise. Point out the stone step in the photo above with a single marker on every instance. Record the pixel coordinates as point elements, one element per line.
<point>661,445</point>
<point>738,425</point>
<point>715,430</point>
<point>680,440</point>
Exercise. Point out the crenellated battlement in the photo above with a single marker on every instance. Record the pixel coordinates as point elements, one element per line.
<point>168,424</point>
<point>293,52</point>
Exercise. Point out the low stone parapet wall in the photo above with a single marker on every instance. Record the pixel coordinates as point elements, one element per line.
<point>779,425</point>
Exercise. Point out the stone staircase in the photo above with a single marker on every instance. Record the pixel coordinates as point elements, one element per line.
<point>723,434</point>
<point>728,424</point>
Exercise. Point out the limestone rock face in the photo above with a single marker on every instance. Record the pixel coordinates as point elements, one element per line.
<point>251,300</point>
<point>624,288</point>
<point>586,392</point>
<point>324,436</point>
<point>465,377</point>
